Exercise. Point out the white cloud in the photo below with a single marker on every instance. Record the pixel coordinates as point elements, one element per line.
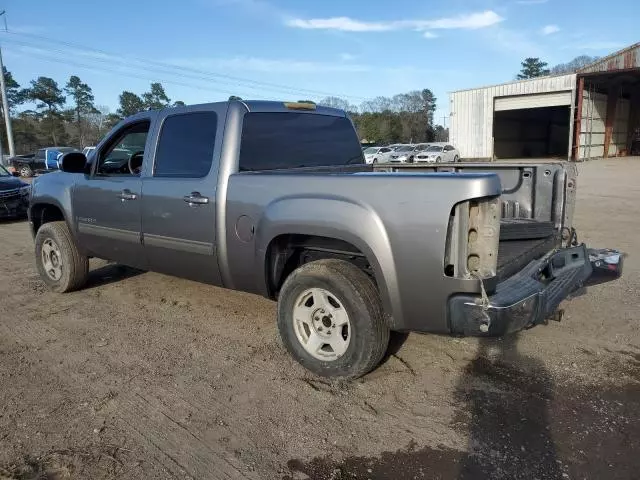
<point>344,24</point>
<point>347,57</point>
<point>549,29</point>
<point>531,2</point>
<point>429,35</point>
<point>469,21</point>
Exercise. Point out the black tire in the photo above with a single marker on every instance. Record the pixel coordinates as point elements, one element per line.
<point>369,335</point>
<point>456,159</point>
<point>375,160</point>
<point>74,265</point>
<point>438,160</point>
<point>25,171</point>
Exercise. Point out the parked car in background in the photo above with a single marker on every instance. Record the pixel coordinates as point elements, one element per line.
<point>404,154</point>
<point>14,195</point>
<point>377,154</point>
<point>42,160</point>
<point>437,153</point>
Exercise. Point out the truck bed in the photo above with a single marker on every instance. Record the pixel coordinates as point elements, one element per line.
<point>537,204</point>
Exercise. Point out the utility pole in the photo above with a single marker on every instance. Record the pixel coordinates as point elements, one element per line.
<point>5,101</point>
<point>444,125</point>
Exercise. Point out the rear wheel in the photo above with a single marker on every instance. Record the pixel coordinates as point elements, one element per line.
<point>331,319</point>
<point>25,171</point>
<point>59,263</point>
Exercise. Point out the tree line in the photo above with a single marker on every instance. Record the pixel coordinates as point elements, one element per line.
<point>533,67</point>
<point>67,114</point>
<point>403,118</point>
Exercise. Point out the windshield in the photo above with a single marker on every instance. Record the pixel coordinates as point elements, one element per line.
<point>434,148</point>
<point>4,172</point>
<point>404,148</point>
<point>370,150</point>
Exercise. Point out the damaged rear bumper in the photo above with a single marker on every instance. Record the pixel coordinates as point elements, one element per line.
<point>534,294</point>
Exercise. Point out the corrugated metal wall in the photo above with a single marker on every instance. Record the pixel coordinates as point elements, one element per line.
<point>471,111</point>
<point>622,60</point>
<point>620,128</point>
<point>592,126</point>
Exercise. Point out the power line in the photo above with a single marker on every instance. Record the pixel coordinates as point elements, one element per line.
<point>129,66</point>
<point>129,74</point>
<point>116,57</point>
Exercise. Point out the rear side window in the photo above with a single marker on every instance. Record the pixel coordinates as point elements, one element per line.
<point>185,148</point>
<point>289,140</point>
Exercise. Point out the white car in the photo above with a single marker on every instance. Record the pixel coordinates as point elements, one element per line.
<point>401,154</point>
<point>438,153</point>
<point>377,154</point>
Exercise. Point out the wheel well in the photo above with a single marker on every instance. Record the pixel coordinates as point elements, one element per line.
<point>44,213</point>
<point>287,252</point>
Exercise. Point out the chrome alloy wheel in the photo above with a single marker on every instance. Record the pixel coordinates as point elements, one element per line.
<point>321,324</point>
<point>51,259</point>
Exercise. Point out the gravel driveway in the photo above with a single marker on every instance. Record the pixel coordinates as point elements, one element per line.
<point>145,376</point>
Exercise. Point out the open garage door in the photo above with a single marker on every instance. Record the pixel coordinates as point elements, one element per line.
<point>539,132</point>
<point>520,102</point>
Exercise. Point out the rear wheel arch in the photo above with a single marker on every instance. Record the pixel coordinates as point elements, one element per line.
<point>286,252</point>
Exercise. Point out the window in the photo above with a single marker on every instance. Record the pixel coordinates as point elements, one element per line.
<point>185,148</point>
<point>292,139</point>
<point>385,150</point>
<point>40,154</point>
<point>123,155</point>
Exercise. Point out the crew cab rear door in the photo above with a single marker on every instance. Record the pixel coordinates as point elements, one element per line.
<point>179,192</point>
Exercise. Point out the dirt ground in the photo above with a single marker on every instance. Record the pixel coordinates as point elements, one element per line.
<point>145,376</point>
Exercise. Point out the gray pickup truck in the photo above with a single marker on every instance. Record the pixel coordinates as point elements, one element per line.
<point>276,199</point>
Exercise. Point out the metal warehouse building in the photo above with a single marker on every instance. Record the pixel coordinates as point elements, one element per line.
<point>589,114</point>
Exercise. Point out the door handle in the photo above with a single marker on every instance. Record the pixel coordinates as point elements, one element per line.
<point>195,199</point>
<point>126,194</point>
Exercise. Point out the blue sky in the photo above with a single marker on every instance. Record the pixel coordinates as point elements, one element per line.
<point>204,50</point>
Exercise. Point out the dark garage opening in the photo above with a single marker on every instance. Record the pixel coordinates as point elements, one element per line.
<point>531,132</point>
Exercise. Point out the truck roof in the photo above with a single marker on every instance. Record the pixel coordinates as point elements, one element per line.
<point>276,106</point>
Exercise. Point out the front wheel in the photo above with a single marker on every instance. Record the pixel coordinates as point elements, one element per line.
<point>331,320</point>
<point>456,159</point>
<point>375,160</point>
<point>59,263</point>
<point>438,160</point>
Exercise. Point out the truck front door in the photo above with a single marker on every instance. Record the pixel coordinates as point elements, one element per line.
<point>107,202</point>
<point>179,191</point>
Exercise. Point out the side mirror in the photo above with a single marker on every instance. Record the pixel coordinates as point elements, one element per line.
<point>73,162</point>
